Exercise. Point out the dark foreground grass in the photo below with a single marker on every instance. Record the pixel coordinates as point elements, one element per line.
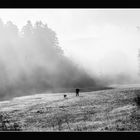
<point>8,124</point>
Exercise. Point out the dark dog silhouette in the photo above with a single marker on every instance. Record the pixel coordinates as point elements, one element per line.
<point>77,91</point>
<point>65,96</point>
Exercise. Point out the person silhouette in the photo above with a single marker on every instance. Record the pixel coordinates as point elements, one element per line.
<point>77,91</point>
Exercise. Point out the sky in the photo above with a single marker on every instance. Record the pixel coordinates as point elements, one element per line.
<point>103,41</point>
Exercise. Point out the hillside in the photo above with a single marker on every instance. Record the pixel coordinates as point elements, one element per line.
<point>104,110</point>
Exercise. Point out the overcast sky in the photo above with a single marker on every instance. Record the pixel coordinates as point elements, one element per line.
<point>101,40</point>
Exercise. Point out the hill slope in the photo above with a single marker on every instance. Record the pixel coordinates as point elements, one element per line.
<point>104,110</point>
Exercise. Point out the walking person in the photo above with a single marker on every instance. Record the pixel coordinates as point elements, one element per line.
<point>77,91</point>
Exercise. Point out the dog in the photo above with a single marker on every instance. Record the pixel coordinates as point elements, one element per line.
<point>65,96</point>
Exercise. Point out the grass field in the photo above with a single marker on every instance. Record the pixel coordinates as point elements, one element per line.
<point>105,110</point>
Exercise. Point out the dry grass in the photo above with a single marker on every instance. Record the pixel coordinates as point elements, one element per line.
<point>106,110</point>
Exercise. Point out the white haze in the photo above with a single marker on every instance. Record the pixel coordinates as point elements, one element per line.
<point>92,32</point>
<point>103,42</point>
<point>111,51</point>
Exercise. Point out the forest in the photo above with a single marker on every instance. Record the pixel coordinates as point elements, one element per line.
<point>31,61</point>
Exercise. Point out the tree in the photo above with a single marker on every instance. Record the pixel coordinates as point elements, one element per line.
<point>1,24</point>
<point>11,30</point>
<point>46,38</point>
<point>1,29</point>
<point>27,30</point>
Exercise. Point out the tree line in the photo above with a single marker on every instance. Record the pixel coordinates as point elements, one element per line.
<point>32,60</point>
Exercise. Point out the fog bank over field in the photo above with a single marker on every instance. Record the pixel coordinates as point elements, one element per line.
<point>112,52</point>
<point>52,49</point>
<point>31,60</point>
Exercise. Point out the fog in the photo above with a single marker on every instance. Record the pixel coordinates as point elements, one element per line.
<point>55,50</point>
<point>112,53</point>
<point>31,61</point>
